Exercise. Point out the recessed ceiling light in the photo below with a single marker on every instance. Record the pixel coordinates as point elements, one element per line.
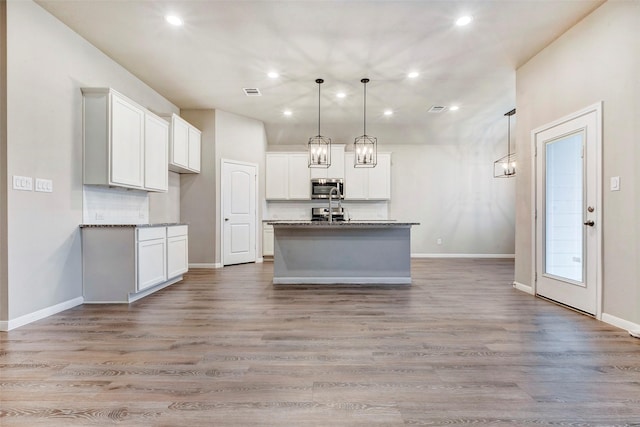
<point>454,108</point>
<point>413,74</point>
<point>287,112</point>
<point>173,20</point>
<point>341,94</point>
<point>388,112</point>
<point>273,75</point>
<point>464,20</point>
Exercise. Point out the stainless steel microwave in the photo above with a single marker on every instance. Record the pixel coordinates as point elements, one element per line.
<point>320,187</point>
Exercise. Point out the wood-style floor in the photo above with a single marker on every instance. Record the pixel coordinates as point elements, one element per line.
<point>227,348</point>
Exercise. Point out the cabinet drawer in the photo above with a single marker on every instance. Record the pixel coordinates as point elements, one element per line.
<point>177,230</point>
<point>150,233</point>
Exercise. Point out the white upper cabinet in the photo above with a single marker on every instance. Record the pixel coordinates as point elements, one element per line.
<point>277,176</point>
<point>184,146</point>
<point>336,169</point>
<point>287,176</point>
<point>299,180</point>
<point>115,139</point>
<point>368,183</point>
<point>156,148</point>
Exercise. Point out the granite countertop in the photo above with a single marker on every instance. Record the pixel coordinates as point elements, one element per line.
<point>358,223</point>
<point>164,224</point>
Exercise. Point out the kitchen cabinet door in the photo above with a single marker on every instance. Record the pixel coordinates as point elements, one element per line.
<point>184,146</point>
<point>267,240</point>
<point>336,169</point>
<point>380,178</point>
<point>194,149</point>
<point>368,183</point>
<point>298,177</point>
<point>356,180</point>
<point>156,150</point>
<point>152,263</point>
<point>127,143</point>
<point>177,250</point>
<point>179,143</point>
<point>277,176</point>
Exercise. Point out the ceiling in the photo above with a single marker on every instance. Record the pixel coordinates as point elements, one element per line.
<point>225,46</point>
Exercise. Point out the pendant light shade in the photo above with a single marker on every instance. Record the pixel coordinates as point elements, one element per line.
<point>505,167</point>
<point>319,146</point>
<point>365,147</point>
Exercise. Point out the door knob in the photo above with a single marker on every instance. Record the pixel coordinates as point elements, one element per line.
<point>590,223</point>
<point>226,219</point>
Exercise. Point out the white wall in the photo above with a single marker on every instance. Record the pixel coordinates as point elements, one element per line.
<point>597,60</point>
<point>451,191</point>
<point>47,64</point>
<point>165,207</point>
<point>198,192</point>
<point>242,139</point>
<point>3,161</point>
<point>224,136</point>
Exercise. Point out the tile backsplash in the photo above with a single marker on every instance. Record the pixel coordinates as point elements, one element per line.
<point>103,205</point>
<point>301,210</point>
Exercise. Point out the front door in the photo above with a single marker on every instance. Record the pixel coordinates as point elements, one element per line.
<point>568,210</point>
<point>238,212</point>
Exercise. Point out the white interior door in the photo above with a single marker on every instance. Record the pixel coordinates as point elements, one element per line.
<point>238,212</point>
<point>568,210</point>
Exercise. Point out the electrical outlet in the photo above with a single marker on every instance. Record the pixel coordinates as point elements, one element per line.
<point>23,183</point>
<point>44,185</point>
<point>439,241</point>
<point>615,183</point>
<point>99,216</point>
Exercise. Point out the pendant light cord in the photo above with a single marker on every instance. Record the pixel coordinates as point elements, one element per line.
<point>364,118</point>
<point>509,139</point>
<point>509,114</point>
<point>319,83</point>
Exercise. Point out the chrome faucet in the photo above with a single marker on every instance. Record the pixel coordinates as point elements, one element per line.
<point>330,198</point>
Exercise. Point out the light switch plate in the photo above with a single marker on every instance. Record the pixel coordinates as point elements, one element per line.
<point>615,183</point>
<point>23,183</point>
<point>44,185</point>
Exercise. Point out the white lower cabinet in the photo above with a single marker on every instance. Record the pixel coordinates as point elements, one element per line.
<point>151,256</point>
<point>267,240</point>
<point>177,251</point>
<point>123,263</point>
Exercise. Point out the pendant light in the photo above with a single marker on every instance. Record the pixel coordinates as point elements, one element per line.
<point>505,167</point>
<point>365,147</point>
<point>319,146</point>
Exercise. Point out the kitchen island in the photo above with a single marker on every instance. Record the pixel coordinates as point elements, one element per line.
<point>350,252</point>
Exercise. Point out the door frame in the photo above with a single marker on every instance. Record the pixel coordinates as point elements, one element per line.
<point>597,108</point>
<point>224,161</point>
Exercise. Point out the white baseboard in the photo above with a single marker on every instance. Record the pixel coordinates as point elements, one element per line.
<point>259,260</point>
<point>620,323</point>
<point>206,265</point>
<point>524,288</point>
<point>40,314</point>
<point>417,255</point>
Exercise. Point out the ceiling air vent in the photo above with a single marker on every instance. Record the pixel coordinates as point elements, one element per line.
<point>436,109</point>
<point>251,91</point>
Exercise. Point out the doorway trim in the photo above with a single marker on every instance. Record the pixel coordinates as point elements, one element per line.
<point>597,108</point>
<point>258,227</point>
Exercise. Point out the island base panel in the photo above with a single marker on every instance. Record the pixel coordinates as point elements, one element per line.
<point>338,255</point>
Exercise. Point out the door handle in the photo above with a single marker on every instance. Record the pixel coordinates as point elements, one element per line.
<point>226,219</point>
<point>590,223</point>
